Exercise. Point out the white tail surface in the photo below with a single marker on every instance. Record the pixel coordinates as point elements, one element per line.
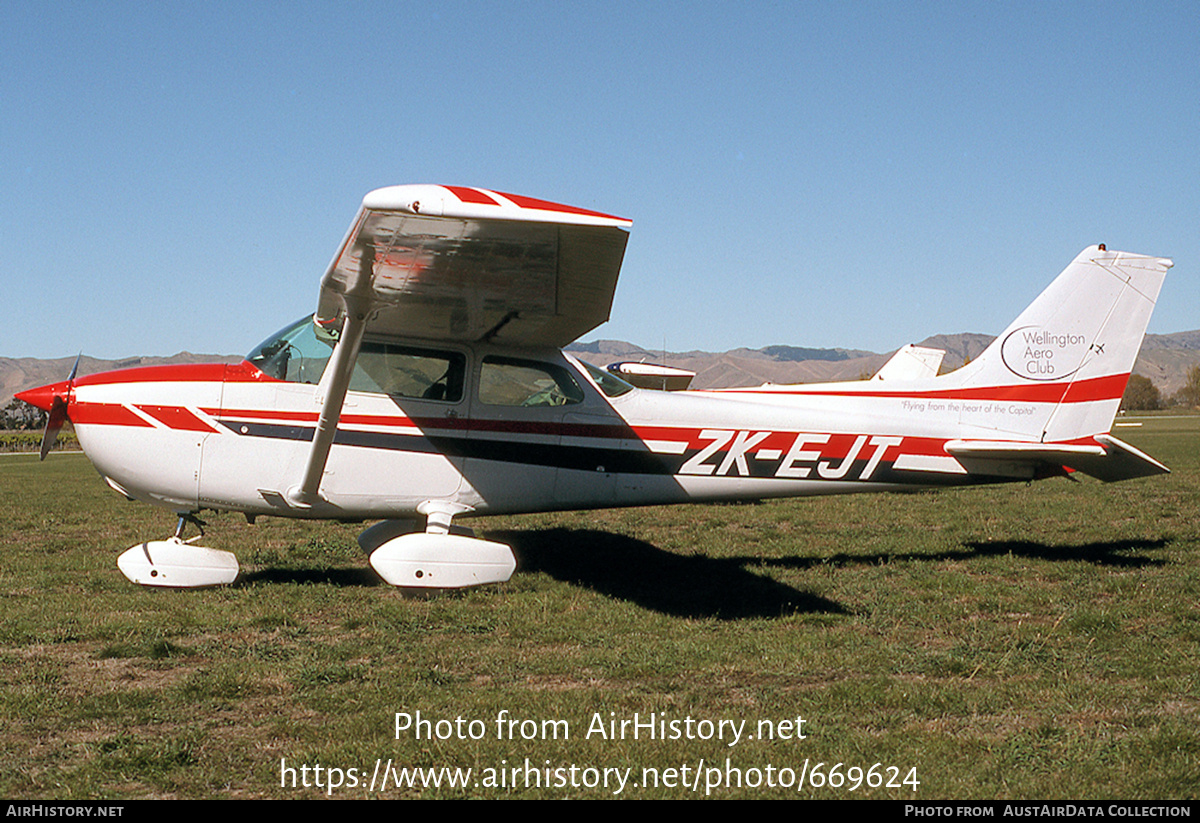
<point>911,363</point>
<point>1064,362</point>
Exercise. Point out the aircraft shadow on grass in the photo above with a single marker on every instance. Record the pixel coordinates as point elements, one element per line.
<point>363,577</point>
<point>621,567</point>
<point>1116,553</point>
<point>698,586</point>
<point>638,572</point>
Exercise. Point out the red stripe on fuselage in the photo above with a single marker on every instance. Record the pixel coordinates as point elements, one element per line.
<point>1110,387</point>
<point>244,372</point>
<point>689,435</point>
<point>176,417</point>
<point>105,414</point>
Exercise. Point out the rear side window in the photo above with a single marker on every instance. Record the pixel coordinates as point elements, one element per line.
<point>509,381</point>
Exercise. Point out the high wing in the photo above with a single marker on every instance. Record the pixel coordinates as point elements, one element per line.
<point>458,263</point>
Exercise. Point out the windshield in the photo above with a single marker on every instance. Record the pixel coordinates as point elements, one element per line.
<point>608,382</point>
<point>297,353</point>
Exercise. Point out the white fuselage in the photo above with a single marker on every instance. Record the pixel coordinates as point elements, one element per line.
<point>232,438</point>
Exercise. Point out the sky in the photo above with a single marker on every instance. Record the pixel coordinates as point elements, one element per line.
<point>177,176</point>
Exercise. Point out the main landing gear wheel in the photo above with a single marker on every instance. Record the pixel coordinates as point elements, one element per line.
<point>178,563</point>
<point>437,559</point>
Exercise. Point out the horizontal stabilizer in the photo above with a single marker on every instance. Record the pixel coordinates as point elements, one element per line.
<point>1122,462</point>
<point>1110,460</point>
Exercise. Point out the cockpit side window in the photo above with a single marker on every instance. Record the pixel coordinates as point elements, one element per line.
<point>509,381</point>
<point>405,371</point>
<point>300,352</point>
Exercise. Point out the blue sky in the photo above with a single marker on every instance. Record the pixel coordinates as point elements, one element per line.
<point>176,176</point>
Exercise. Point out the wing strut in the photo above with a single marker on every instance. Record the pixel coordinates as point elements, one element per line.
<point>334,382</point>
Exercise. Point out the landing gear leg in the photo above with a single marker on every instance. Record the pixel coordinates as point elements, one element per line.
<point>184,519</point>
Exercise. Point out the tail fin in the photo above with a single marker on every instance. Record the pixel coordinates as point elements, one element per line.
<point>911,363</point>
<point>1063,364</point>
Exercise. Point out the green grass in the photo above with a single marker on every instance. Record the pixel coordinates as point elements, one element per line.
<point>1037,641</point>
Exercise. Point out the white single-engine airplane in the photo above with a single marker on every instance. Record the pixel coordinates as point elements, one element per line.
<point>431,383</point>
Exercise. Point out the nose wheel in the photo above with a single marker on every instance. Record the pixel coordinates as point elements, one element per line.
<point>177,563</point>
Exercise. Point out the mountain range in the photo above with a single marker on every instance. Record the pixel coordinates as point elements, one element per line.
<point>1164,358</point>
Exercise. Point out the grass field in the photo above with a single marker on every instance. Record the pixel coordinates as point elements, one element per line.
<point>1037,641</point>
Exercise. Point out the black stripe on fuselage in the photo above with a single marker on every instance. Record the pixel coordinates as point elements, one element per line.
<point>507,450</point>
<point>583,458</point>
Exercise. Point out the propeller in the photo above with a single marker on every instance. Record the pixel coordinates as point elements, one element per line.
<point>56,400</point>
<point>58,412</point>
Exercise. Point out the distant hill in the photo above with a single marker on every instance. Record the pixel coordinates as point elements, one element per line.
<point>959,348</point>
<point>1189,340</point>
<point>1164,358</point>
<point>18,373</point>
